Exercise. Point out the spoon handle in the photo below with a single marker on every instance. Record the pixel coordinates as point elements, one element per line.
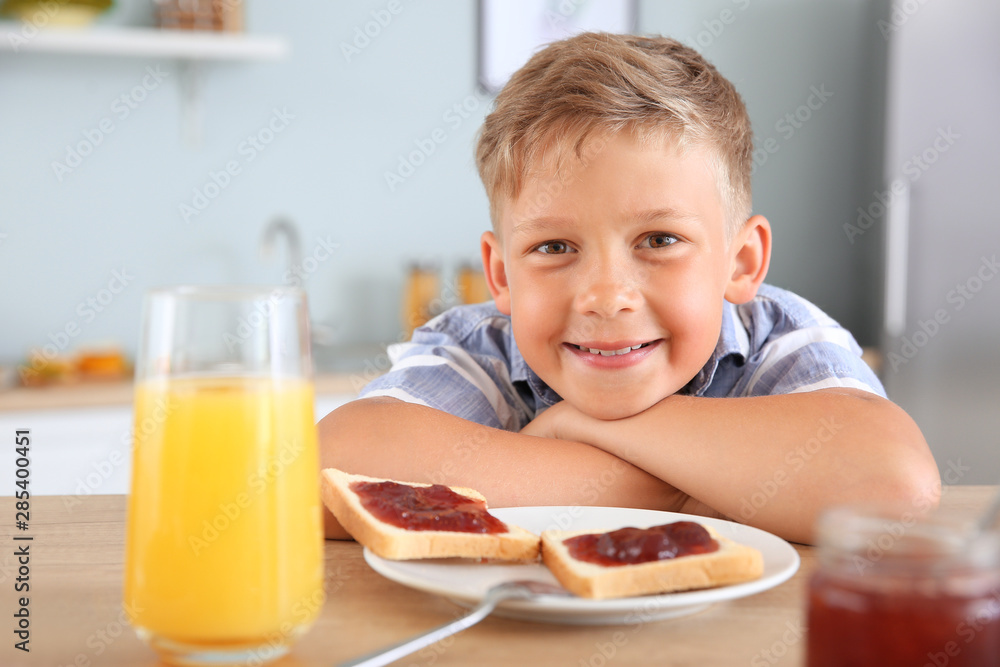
<point>385,655</point>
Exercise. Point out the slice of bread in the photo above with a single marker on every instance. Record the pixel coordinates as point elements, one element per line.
<point>732,563</point>
<point>396,543</point>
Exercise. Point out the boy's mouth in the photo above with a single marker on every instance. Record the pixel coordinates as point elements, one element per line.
<point>606,351</point>
<point>612,355</point>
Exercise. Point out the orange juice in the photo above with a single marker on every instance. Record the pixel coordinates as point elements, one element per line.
<point>224,531</point>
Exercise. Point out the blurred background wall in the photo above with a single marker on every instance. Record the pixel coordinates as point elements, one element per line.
<point>340,119</point>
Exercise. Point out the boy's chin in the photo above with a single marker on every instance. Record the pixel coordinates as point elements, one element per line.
<point>610,409</point>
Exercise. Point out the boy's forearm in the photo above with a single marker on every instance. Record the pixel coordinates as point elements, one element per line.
<point>774,462</point>
<point>383,437</point>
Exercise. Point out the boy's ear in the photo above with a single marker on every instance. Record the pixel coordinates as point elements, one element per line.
<point>751,257</point>
<point>495,271</point>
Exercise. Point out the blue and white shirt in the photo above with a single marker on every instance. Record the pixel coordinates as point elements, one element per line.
<point>465,361</point>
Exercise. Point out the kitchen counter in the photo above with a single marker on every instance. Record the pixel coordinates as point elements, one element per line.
<point>341,371</point>
<point>119,393</point>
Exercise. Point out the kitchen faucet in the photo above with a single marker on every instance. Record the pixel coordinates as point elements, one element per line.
<point>286,228</point>
<point>321,334</point>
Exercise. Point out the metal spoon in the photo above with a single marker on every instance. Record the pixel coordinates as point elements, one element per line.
<point>520,589</point>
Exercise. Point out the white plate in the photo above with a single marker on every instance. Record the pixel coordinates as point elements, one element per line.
<point>466,581</point>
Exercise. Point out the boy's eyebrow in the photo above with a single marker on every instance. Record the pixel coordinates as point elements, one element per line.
<point>650,216</point>
<point>539,224</point>
<point>666,214</point>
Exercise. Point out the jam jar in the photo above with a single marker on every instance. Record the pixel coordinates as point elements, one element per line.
<point>894,589</point>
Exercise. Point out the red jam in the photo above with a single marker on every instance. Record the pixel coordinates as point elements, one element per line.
<point>895,590</point>
<point>852,622</point>
<point>434,507</point>
<point>628,546</point>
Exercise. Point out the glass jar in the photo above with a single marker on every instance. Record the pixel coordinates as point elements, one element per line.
<point>472,286</point>
<point>422,296</point>
<point>897,590</point>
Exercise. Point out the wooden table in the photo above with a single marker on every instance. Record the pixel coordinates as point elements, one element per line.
<point>76,616</point>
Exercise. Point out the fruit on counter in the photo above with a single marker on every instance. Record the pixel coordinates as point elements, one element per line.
<point>94,363</point>
<point>40,370</point>
<point>102,363</point>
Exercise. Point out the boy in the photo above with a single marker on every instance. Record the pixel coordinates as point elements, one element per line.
<point>632,355</point>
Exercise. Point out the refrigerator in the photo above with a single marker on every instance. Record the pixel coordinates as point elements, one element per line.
<point>939,214</point>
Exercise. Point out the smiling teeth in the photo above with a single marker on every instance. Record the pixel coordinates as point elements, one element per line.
<point>611,353</point>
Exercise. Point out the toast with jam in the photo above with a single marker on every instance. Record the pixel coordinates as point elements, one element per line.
<point>638,561</point>
<point>403,520</point>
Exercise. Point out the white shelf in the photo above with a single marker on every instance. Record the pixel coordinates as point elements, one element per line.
<point>141,42</point>
<point>190,47</point>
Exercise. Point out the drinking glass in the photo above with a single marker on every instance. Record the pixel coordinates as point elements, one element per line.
<point>224,542</point>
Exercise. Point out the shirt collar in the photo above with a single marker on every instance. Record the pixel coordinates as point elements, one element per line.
<point>733,340</point>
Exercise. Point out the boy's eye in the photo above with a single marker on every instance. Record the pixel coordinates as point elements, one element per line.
<point>553,248</point>
<point>659,240</point>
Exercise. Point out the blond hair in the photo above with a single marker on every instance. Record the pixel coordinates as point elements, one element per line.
<point>598,84</point>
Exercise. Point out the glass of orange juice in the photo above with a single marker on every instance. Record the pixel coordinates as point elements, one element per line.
<point>223,558</point>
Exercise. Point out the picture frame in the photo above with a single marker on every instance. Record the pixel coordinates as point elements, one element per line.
<point>511,31</point>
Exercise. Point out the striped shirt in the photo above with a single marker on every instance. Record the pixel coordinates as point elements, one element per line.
<point>465,361</point>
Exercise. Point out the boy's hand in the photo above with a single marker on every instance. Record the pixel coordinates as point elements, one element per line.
<point>552,423</point>
<point>563,421</point>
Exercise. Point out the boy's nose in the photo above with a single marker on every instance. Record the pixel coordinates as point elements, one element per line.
<point>606,292</point>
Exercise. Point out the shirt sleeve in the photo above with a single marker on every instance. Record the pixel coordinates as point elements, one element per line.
<point>804,350</point>
<point>456,368</point>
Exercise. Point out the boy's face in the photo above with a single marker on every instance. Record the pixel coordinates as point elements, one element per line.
<point>624,252</point>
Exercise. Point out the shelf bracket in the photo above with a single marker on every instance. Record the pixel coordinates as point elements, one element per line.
<point>190,82</point>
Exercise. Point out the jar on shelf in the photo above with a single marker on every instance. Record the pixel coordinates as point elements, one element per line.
<point>896,590</point>
<point>472,284</point>
<point>218,15</point>
<point>421,298</point>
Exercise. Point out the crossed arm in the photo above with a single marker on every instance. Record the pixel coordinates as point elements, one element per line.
<point>773,462</point>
